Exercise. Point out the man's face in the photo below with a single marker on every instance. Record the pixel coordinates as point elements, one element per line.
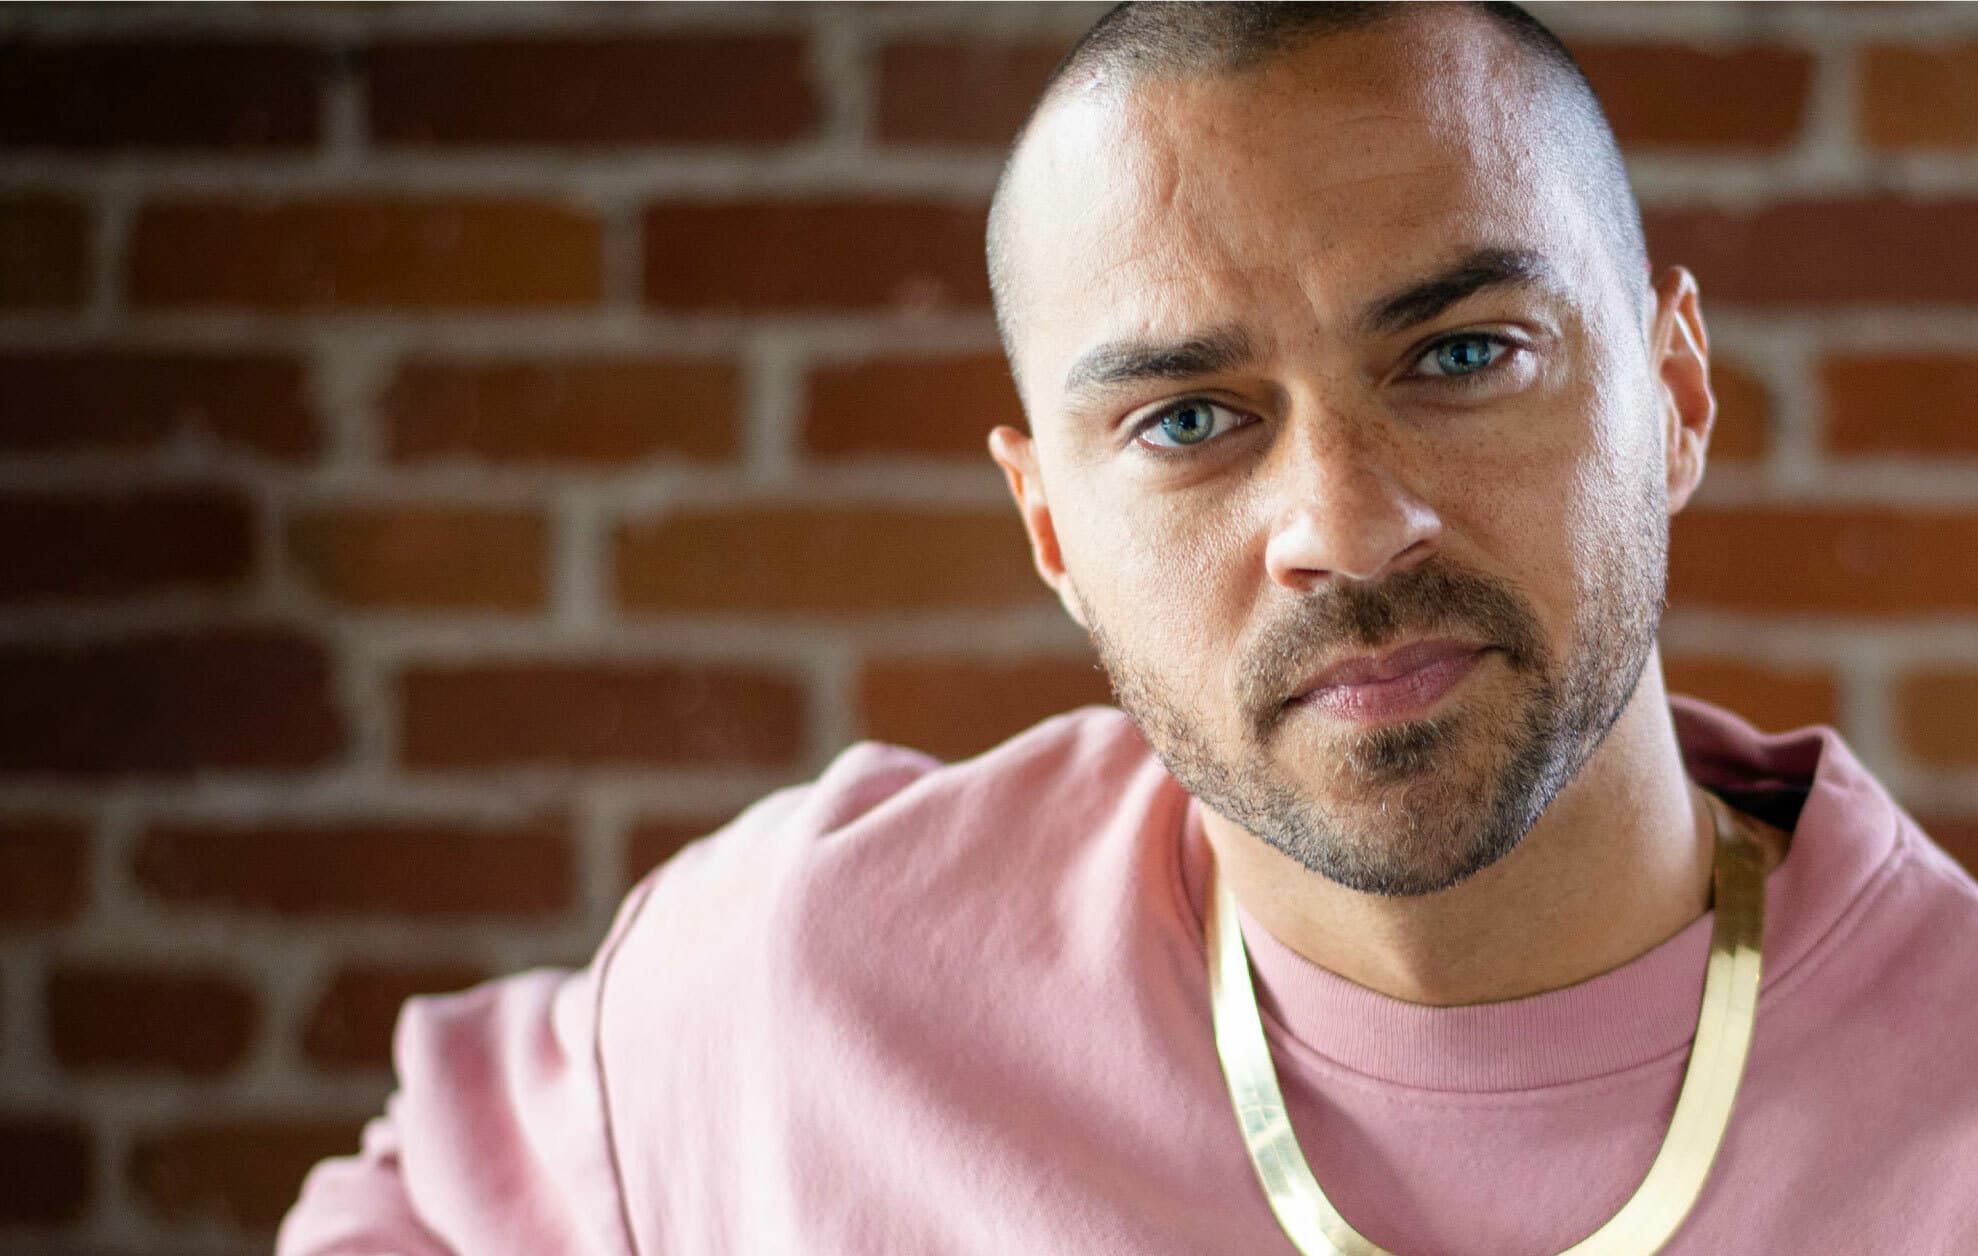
<point>1347,447</point>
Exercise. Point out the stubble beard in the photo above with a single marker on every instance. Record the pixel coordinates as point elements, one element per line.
<point>1427,803</point>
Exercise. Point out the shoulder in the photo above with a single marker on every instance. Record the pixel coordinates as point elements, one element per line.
<point>881,826</point>
<point>1899,955</point>
<point>870,788</point>
<point>1937,899</point>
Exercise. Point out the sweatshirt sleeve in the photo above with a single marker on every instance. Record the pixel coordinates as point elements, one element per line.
<point>498,1139</point>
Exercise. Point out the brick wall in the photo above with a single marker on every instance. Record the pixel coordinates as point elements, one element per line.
<point>450,455</point>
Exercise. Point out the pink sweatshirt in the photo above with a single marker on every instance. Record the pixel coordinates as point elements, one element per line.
<point>922,1009</point>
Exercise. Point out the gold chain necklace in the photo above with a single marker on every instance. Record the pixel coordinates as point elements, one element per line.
<point>1703,1108</point>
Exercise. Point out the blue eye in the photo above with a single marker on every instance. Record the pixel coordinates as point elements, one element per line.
<point>1188,423</point>
<point>1463,355</point>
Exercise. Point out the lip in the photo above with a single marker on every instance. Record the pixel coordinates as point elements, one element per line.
<point>1403,683</point>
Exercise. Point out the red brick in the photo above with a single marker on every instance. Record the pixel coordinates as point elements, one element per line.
<point>1956,834</point>
<point>160,94</point>
<point>405,868</point>
<point>818,255</point>
<point>1662,96</point>
<point>580,411</point>
<point>350,1025</point>
<point>958,708</point>
<point>600,715</point>
<point>653,841</point>
<point>422,557</point>
<point>955,93</point>
<point>1923,406</point>
<point>1835,562</point>
<point>1744,415</point>
<point>44,253</point>
<point>124,1018</point>
<point>626,89</point>
<point>1937,715</point>
<point>1773,698</point>
<point>938,406</point>
<point>1919,97</point>
<point>353,254</point>
<point>1874,249</point>
<point>122,545</point>
<point>240,1174</point>
<point>977,94</point>
<point>59,400</point>
<point>826,560</point>
<point>46,1176</point>
<point>44,870</point>
<point>235,698</point>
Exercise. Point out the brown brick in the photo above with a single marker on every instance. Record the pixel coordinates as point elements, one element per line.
<point>59,400</point>
<point>422,557</point>
<point>44,253</point>
<point>44,870</point>
<point>363,254</point>
<point>350,1025</point>
<point>595,411</point>
<point>626,89</point>
<point>384,867</point>
<point>1773,698</point>
<point>123,1018</point>
<point>938,406</point>
<point>122,545</point>
<point>1875,249</point>
<point>160,94</point>
<point>819,255</point>
<point>1744,415</point>
<point>600,715</point>
<point>1922,406</point>
<point>46,1176</point>
<point>1837,562</point>
<point>826,560</point>
<point>654,841</point>
<point>1937,715</point>
<point>958,708</point>
<point>1958,835</point>
<point>236,698</point>
<point>240,1174</point>
<point>960,93</point>
<point>1919,97</point>
<point>1662,96</point>
<point>955,93</point>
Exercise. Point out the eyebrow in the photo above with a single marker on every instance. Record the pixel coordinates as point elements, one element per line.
<point>1421,301</point>
<point>1132,361</point>
<point>1120,362</point>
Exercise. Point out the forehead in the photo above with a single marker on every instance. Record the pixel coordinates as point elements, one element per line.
<point>1280,197</point>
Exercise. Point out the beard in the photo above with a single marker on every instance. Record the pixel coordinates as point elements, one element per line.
<point>1442,798</point>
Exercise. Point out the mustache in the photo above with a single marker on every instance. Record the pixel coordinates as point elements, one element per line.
<point>1434,599</point>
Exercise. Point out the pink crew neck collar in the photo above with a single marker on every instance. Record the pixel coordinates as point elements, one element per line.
<point>1633,1015</point>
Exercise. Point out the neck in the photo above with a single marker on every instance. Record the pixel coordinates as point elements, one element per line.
<point>1618,863</point>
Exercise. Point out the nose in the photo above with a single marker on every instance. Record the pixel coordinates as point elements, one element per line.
<point>1344,511</point>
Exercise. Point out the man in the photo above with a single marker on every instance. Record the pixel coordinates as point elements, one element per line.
<point>1356,421</point>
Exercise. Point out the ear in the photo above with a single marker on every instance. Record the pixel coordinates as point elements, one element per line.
<point>1016,453</point>
<point>1679,353</point>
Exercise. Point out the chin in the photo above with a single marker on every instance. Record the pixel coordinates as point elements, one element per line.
<point>1402,810</point>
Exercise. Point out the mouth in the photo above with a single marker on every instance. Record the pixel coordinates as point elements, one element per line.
<point>1401,684</point>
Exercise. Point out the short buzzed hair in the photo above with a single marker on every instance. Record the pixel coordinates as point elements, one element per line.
<point>1137,41</point>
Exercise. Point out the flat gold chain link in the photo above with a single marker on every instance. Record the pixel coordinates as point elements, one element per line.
<point>1659,1205</point>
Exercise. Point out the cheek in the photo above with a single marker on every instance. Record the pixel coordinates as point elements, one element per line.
<point>1534,500</point>
<point>1164,575</point>
<point>1586,504</point>
<point>1618,473</point>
